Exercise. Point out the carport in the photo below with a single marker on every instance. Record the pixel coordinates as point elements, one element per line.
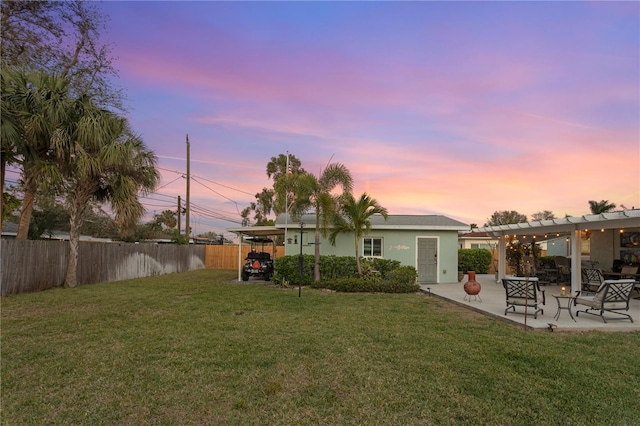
<point>253,232</point>
<point>605,230</point>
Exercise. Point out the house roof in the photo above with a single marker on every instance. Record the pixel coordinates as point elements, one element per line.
<point>399,222</point>
<point>258,231</point>
<point>477,235</point>
<point>621,219</point>
<point>406,222</point>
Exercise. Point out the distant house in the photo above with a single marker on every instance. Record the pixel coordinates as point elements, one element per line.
<point>475,240</point>
<point>10,230</point>
<point>427,242</point>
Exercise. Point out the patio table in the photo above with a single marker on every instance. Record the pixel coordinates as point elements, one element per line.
<point>560,299</point>
<point>548,276</point>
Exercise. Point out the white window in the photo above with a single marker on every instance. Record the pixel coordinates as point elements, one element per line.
<point>372,247</point>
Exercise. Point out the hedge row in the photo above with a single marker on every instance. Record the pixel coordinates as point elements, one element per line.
<point>340,273</point>
<point>478,260</point>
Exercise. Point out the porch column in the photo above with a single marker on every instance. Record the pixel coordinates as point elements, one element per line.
<point>576,262</point>
<point>502,258</point>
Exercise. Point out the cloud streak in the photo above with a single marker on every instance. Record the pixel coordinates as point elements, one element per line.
<point>456,108</point>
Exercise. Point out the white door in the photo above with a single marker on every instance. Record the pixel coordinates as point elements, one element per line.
<point>427,260</point>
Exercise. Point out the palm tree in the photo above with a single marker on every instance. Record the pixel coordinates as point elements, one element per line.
<point>602,206</point>
<point>168,218</point>
<point>311,192</point>
<point>355,218</point>
<point>33,105</point>
<point>99,158</point>
<point>10,130</point>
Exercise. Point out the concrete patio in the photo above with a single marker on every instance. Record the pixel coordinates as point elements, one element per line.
<point>493,304</point>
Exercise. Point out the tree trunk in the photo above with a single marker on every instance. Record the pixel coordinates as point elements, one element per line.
<point>3,167</point>
<point>316,265</point>
<point>358,257</point>
<point>25,215</point>
<point>71,277</point>
<point>76,215</point>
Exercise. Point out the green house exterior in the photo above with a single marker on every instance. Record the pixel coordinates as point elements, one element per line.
<point>427,242</point>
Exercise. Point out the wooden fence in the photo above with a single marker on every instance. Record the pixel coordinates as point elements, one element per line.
<point>29,266</point>
<point>226,257</point>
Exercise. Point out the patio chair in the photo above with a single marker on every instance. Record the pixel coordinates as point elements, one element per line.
<point>612,296</point>
<point>564,268</point>
<point>629,271</point>
<point>592,278</point>
<point>523,292</point>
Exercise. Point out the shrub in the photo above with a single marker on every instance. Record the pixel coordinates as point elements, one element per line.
<point>287,270</point>
<point>478,260</point>
<point>547,262</point>
<point>363,285</point>
<point>384,266</point>
<point>340,273</point>
<point>347,285</point>
<point>402,275</point>
<point>332,267</point>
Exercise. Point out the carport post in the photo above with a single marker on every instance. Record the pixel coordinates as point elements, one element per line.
<point>300,261</point>
<point>239,234</point>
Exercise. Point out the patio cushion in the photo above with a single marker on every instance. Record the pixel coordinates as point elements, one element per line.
<point>596,302</point>
<point>612,297</point>
<point>524,301</point>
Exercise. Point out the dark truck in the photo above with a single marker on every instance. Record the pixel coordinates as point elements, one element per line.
<point>257,264</point>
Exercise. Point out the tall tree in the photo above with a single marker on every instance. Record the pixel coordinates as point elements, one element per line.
<point>36,103</point>
<point>100,158</point>
<point>168,218</point>
<point>61,37</point>
<point>266,201</point>
<point>10,132</point>
<point>602,206</point>
<point>54,37</point>
<point>315,193</point>
<point>48,216</point>
<point>505,217</point>
<point>355,217</point>
<point>543,215</point>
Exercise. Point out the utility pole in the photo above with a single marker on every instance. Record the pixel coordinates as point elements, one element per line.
<point>179,215</point>
<point>187,230</point>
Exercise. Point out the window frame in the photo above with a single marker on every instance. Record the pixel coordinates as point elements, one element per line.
<point>372,246</point>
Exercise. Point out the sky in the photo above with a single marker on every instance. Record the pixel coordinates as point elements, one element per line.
<point>452,108</point>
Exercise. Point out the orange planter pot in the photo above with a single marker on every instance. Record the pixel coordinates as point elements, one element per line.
<point>472,287</point>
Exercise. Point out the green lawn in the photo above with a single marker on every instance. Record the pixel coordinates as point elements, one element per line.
<point>197,348</point>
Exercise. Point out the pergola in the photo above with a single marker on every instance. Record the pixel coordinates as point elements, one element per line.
<point>569,226</point>
<point>253,232</point>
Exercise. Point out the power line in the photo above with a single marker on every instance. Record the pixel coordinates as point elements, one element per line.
<point>204,211</point>
<point>225,186</point>
<point>214,214</point>
<point>216,192</point>
<point>166,184</point>
<point>205,179</point>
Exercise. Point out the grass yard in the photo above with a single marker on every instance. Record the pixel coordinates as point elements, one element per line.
<point>198,348</point>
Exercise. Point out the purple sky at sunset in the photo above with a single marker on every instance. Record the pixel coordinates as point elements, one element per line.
<point>454,108</point>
